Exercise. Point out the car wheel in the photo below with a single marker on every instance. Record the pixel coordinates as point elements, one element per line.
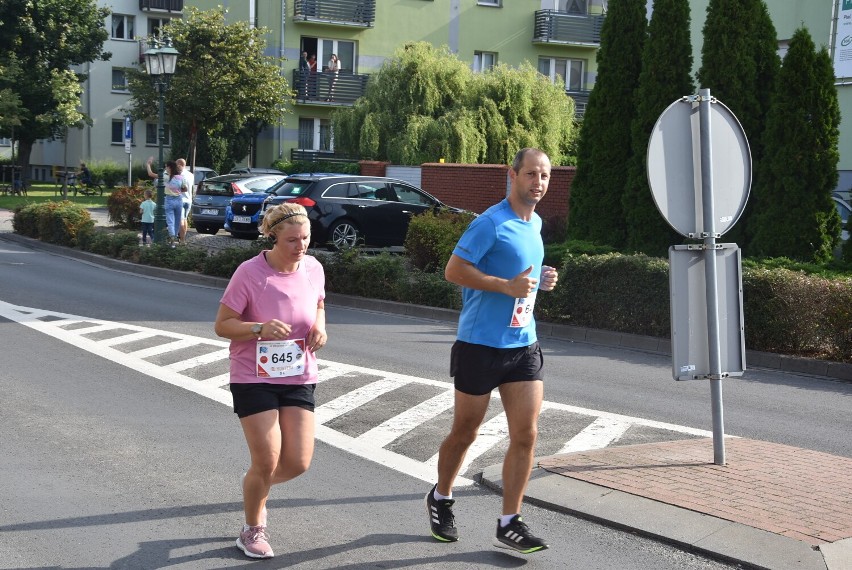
<point>204,229</point>
<point>343,234</point>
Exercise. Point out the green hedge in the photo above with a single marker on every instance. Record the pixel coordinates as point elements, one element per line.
<point>62,223</point>
<point>786,311</point>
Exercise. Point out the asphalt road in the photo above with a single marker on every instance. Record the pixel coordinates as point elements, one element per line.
<point>105,466</point>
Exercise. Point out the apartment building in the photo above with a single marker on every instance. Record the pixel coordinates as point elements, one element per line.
<point>105,96</point>
<point>559,37</point>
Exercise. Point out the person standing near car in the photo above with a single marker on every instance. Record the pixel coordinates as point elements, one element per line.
<point>186,195</point>
<point>498,264</point>
<point>273,312</point>
<point>174,188</point>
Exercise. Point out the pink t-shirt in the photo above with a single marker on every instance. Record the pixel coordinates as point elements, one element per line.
<point>259,293</point>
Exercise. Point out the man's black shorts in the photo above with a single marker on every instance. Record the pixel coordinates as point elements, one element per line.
<point>478,369</point>
<point>259,397</point>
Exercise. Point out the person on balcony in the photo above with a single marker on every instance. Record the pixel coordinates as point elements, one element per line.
<point>334,71</point>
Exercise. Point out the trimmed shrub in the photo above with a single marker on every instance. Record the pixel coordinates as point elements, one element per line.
<point>53,222</point>
<point>224,263</point>
<point>432,236</point>
<point>123,206</point>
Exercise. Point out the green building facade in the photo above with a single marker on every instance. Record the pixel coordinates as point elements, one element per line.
<point>559,37</point>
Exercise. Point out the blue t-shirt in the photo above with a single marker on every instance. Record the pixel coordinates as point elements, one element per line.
<point>498,243</point>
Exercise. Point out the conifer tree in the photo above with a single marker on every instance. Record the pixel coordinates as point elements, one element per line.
<point>739,64</point>
<point>795,215</point>
<point>665,77</point>
<point>596,213</point>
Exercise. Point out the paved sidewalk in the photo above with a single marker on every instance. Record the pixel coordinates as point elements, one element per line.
<point>772,506</point>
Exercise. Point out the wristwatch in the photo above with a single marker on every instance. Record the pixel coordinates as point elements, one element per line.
<point>256,328</point>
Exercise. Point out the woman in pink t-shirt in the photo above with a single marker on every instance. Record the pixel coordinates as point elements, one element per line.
<point>273,313</point>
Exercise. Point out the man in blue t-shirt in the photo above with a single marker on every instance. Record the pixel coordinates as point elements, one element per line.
<point>498,263</point>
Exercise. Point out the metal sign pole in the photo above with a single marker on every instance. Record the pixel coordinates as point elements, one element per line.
<point>710,247</point>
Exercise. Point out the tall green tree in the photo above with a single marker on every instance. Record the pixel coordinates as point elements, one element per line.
<point>39,44</point>
<point>739,64</point>
<point>425,104</point>
<point>604,147</point>
<point>224,90</point>
<point>795,214</point>
<point>665,77</point>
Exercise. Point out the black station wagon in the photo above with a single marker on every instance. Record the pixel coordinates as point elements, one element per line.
<point>355,210</point>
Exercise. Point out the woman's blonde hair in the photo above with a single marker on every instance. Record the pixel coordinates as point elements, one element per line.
<point>285,213</point>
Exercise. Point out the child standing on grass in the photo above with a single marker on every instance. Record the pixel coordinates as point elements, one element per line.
<point>147,208</point>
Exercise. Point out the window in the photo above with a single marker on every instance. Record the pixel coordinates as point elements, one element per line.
<point>123,27</point>
<point>119,79</point>
<point>409,195</point>
<point>151,134</point>
<point>155,25</point>
<point>484,60</point>
<point>118,132</point>
<point>315,134</point>
<point>496,3</point>
<point>574,7</point>
<point>571,71</point>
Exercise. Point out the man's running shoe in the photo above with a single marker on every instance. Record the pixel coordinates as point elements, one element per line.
<point>254,542</point>
<point>517,536</point>
<point>441,518</point>
<point>264,512</point>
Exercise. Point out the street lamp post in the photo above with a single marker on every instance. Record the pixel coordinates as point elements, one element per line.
<point>160,62</point>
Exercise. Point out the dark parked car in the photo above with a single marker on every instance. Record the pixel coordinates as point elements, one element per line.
<point>215,193</point>
<point>200,174</point>
<point>354,210</point>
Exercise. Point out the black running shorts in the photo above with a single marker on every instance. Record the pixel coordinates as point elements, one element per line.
<point>478,369</point>
<point>259,397</point>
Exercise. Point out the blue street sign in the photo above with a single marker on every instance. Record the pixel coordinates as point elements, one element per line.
<point>128,129</point>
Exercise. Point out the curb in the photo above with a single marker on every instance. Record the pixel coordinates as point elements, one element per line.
<point>689,530</point>
<point>754,359</point>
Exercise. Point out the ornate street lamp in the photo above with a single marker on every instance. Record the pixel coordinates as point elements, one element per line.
<point>160,63</point>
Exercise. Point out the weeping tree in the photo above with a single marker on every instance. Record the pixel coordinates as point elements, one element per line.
<point>739,64</point>
<point>425,104</point>
<point>796,217</point>
<point>604,147</point>
<point>665,77</point>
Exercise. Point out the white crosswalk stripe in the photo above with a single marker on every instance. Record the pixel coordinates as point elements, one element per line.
<point>206,373</point>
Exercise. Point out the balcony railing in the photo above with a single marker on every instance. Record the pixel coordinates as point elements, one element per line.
<point>166,5</point>
<point>341,12</point>
<point>554,27</point>
<point>319,156</point>
<point>325,88</point>
<point>581,99</point>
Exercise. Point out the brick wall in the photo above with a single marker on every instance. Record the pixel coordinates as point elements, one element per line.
<point>476,187</point>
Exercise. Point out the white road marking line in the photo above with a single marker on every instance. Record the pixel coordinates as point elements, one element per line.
<point>597,435</point>
<point>217,381</point>
<point>356,398</point>
<point>132,337</point>
<point>163,348</point>
<point>330,370</point>
<point>199,360</point>
<point>399,425</point>
<point>99,328</point>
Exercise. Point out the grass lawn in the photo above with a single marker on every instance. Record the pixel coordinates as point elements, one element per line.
<point>49,192</point>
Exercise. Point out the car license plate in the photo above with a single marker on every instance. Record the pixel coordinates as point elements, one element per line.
<point>242,219</point>
<point>213,212</point>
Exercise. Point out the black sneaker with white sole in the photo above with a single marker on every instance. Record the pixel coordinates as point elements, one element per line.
<point>441,519</point>
<point>517,536</point>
